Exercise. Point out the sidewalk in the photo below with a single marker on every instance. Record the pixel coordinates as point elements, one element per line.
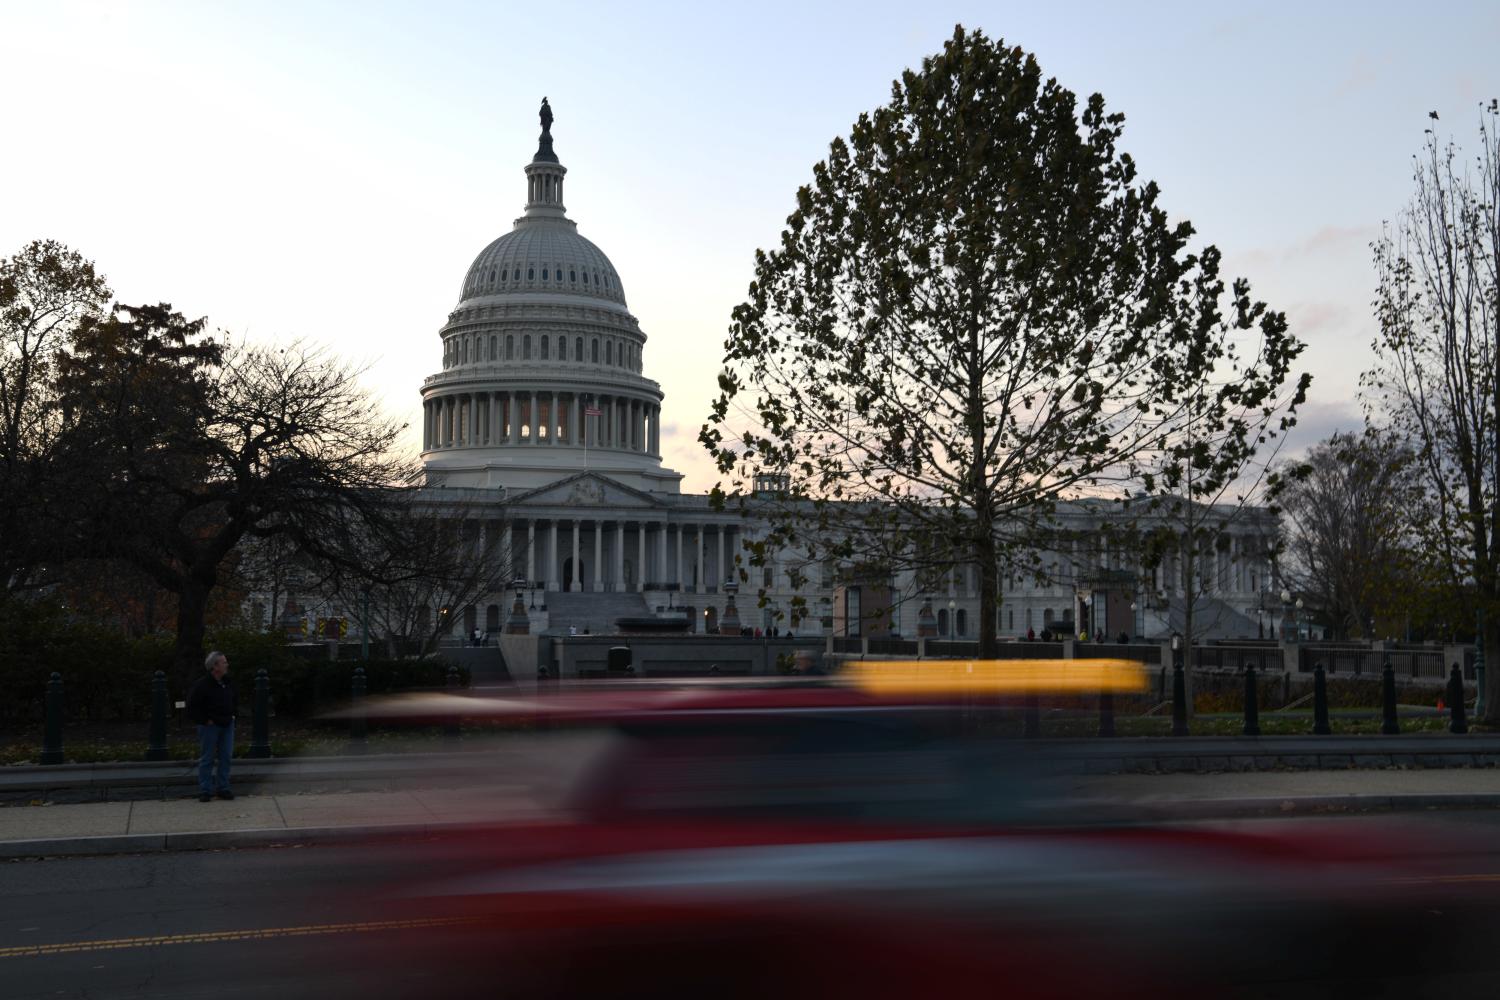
<point>279,817</point>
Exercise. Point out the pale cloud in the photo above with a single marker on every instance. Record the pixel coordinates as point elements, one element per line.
<point>1366,72</point>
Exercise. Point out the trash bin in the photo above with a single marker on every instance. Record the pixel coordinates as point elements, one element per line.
<point>619,660</point>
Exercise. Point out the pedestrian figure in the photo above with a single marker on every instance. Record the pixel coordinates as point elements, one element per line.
<point>1031,635</point>
<point>211,706</point>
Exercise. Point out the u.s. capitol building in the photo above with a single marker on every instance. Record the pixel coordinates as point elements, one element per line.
<point>543,418</point>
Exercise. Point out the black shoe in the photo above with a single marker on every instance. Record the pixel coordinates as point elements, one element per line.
<point>205,797</point>
<point>226,794</point>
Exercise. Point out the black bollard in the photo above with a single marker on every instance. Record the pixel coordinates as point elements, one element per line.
<point>1252,703</point>
<point>156,749</point>
<point>1389,725</point>
<point>52,745</point>
<point>358,726</point>
<point>1031,718</point>
<point>260,717</point>
<point>1320,701</point>
<point>1179,701</point>
<point>1457,723</point>
<point>450,728</point>
<point>1106,713</point>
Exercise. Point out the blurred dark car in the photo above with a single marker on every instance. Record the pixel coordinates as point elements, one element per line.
<point>800,843</point>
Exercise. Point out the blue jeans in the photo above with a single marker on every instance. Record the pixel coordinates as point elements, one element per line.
<point>214,741</point>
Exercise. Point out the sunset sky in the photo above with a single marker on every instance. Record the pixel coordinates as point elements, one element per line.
<point>328,171</point>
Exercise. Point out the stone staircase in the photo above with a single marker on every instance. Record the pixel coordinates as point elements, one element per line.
<point>595,612</point>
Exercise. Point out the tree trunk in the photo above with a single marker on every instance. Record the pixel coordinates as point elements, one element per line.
<point>192,608</point>
<point>989,592</point>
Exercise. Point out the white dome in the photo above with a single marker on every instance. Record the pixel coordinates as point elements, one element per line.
<point>543,255</point>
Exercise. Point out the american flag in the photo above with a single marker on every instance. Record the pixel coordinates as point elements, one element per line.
<point>592,411</point>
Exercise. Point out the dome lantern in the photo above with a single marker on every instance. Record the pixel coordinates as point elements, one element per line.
<point>544,175</point>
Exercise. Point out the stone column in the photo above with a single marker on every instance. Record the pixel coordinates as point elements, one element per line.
<point>530,550</point>
<point>698,534</point>
<point>620,556</point>
<point>577,583</point>
<point>640,557</point>
<point>536,413</point>
<point>598,556</point>
<point>678,559</point>
<point>575,426</point>
<point>495,420</point>
<point>622,435</point>
<point>514,406</point>
<point>720,575</point>
<point>552,420</point>
<point>553,562</point>
<point>661,552</point>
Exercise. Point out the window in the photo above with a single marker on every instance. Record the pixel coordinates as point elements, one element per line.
<point>596,352</point>
<point>766,577</point>
<point>562,348</point>
<point>544,348</point>
<point>578,349</point>
<point>466,352</point>
<point>505,275</point>
<point>510,347</point>
<point>963,625</point>
<point>531,274</point>
<point>585,277</point>
<point>572,275</point>
<point>544,274</point>
<point>943,623</point>
<point>1047,618</point>
<point>526,348</point>
<point>609,350</point>
<point>494,346</point>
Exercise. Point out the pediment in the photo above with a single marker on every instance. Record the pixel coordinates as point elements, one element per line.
<point>587,490</point>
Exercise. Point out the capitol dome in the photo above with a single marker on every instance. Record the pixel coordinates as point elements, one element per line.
<point>545,256</point>
<point>543,371</point>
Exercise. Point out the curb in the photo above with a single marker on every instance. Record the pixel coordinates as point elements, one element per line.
<point>218,840</point>
<point>1246,807</point>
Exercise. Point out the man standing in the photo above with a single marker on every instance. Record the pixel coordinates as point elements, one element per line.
<point>211,705</point>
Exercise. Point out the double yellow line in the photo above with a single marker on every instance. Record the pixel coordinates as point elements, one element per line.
<point>212,937</point>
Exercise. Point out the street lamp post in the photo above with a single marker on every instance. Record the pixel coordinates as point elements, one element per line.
<point>1286,603</point>
<point>952,621</point>
<point>1140,627</point>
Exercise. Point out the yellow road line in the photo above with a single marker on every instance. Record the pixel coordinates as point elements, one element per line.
<point>211,937</point>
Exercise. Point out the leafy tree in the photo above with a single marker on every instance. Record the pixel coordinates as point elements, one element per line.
<point>977,310</point>
<point>193,445</point>
<point>1435,382</point>
<point>45,291</point>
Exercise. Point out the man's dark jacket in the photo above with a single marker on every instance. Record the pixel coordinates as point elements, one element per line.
<point>211,700</point>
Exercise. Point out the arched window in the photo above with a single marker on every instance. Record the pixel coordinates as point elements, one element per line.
<point>596,350</point>
<point>466,351</point>
<point>942,623</point>
<point>526,348</point>
<point>609,349</point>
<point>1046,617</point>
<point>544,274</point>
<point>572,275</point>
<point>562,348</point>
<point>505,274</point>
<point>963,623</point>
<point>494,347</point>
<point>585,277</point>
<point>577,348</point>
<point>531,274</point>
<point>544,348</point>
<point>510,347</point>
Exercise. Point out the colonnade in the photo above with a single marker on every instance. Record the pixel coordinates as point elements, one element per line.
<point>620,554</point>
<point>541,417</point>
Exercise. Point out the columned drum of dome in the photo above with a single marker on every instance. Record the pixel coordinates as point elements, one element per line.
<point>542,363</point>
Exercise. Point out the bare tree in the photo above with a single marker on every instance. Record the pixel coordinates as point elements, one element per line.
<point>438,553</point>
<point>1347,547</point>
<point>1435,383</point>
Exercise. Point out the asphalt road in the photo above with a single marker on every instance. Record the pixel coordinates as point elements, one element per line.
<point>330,921</point>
